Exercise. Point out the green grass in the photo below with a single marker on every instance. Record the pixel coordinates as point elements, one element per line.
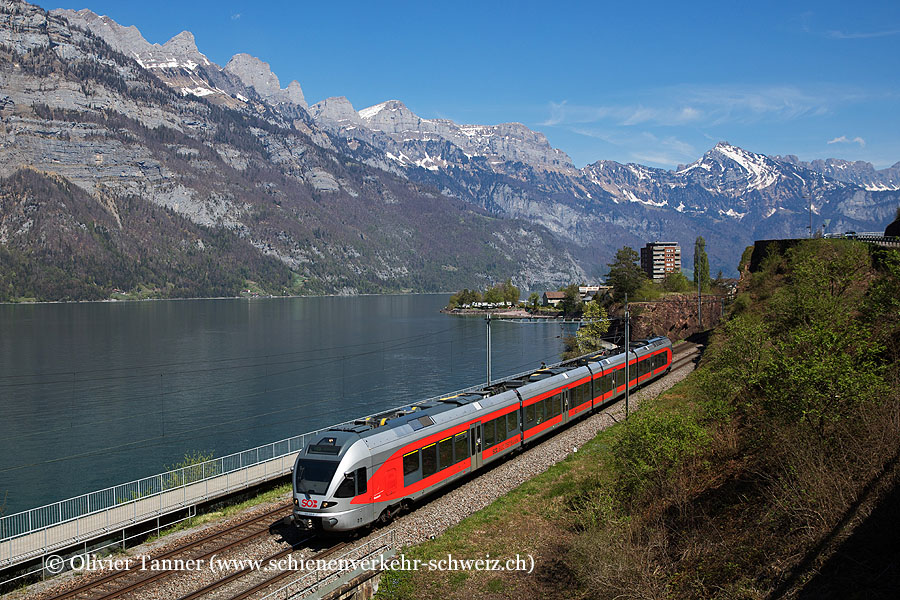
<point>278,493</point>
<point>502,529</point>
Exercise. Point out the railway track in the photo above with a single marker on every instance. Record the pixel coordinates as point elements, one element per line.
<point>261,580</point>
<point>247,581</point>
<point>119,583</point>
<point>684,354</point>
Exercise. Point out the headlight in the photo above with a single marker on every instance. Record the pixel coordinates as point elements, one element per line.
<point>328,504</point>
<point>296,502</point>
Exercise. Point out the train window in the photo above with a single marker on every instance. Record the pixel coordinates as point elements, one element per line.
<point>410,463</point>
<point>489,434</point>
<point>555,405</point>
<point>361,481</point>
<point>446,452</point>
<point>460,446</point>
<point>530,415</point>
<point>429,460</point>
<point>347,489</point>
<point>501,429</point>
<point>314,476</point>
<point>512,422</point>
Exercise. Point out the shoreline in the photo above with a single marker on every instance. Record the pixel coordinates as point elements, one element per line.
<point>115,301</point>
<point>504,313</point>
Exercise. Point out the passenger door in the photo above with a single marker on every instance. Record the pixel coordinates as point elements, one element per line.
<point>475,444</point>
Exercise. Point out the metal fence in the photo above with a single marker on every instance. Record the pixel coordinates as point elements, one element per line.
<point>133,502</point>
<point>36,531</point>
<point>338,570</point>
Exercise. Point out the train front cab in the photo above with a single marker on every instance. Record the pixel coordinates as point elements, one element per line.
<point>328,474</point>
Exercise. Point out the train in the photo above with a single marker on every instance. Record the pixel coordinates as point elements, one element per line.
<point>367,471</point>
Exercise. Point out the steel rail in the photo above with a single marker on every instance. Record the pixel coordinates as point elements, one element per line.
<point>116,575</point>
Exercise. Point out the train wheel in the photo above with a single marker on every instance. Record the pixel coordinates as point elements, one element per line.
<point>385,517</point>
<point>406,507</point>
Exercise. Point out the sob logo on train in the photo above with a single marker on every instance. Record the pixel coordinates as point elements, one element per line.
<point>309,503</point>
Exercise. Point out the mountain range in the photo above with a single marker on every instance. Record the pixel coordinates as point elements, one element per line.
<point>326,198</point>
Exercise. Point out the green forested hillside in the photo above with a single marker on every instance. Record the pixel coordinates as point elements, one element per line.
<point>739,482</point>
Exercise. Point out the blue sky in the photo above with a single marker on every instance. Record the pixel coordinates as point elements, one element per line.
<point>657,83</point>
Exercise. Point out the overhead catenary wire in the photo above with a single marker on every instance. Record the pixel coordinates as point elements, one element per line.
<point>167,438</point>
<point>155,367</point>
<point>158,394</point>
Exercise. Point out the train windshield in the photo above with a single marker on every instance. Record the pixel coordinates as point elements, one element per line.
<point>313,476</point>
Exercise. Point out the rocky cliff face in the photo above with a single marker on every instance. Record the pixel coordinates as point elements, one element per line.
<point>410,139</point>
<point>858,172</point>
<point>730,196</point>
<point>257,74</point>
<point>181,65</point>
<point>676,317</point>
<point>94,119</point>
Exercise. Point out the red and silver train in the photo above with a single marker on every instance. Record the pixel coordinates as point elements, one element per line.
<point>367,471</point>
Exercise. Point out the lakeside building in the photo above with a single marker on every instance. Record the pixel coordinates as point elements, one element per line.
<point>660,259</point>
<point>552,298</point>
<point>589,292</point>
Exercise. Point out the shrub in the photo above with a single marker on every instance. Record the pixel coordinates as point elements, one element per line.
<point>652,445</point>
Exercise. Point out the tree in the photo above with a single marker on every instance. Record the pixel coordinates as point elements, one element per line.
<point>534,299</point>
<point>676,282</point>
<point>494,294</point>
<point>701,264</point>
<point>510,292</point>
<point>571,304</point>
<point>463,297</point>
<point>590,335</point>
<point>625,276</point>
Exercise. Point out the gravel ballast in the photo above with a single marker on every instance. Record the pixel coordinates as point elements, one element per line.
<point>428,520</point>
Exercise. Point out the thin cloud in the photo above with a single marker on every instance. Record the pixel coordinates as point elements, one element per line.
<point>845,140</point>
<point>707,105</point>
<point>645,147</point>
<point>236,16</point>
<point>843,35</point>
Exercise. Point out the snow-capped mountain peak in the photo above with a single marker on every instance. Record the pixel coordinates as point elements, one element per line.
<point>734,168</point>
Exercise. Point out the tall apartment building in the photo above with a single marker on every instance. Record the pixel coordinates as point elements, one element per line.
<point>659,259</point>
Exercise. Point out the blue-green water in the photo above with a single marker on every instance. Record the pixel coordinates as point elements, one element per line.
<point>92,395</point>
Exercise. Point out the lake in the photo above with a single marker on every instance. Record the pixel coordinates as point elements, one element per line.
<point>96,394</point>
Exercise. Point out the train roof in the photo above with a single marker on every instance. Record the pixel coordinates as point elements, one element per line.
<point>404,421</point>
